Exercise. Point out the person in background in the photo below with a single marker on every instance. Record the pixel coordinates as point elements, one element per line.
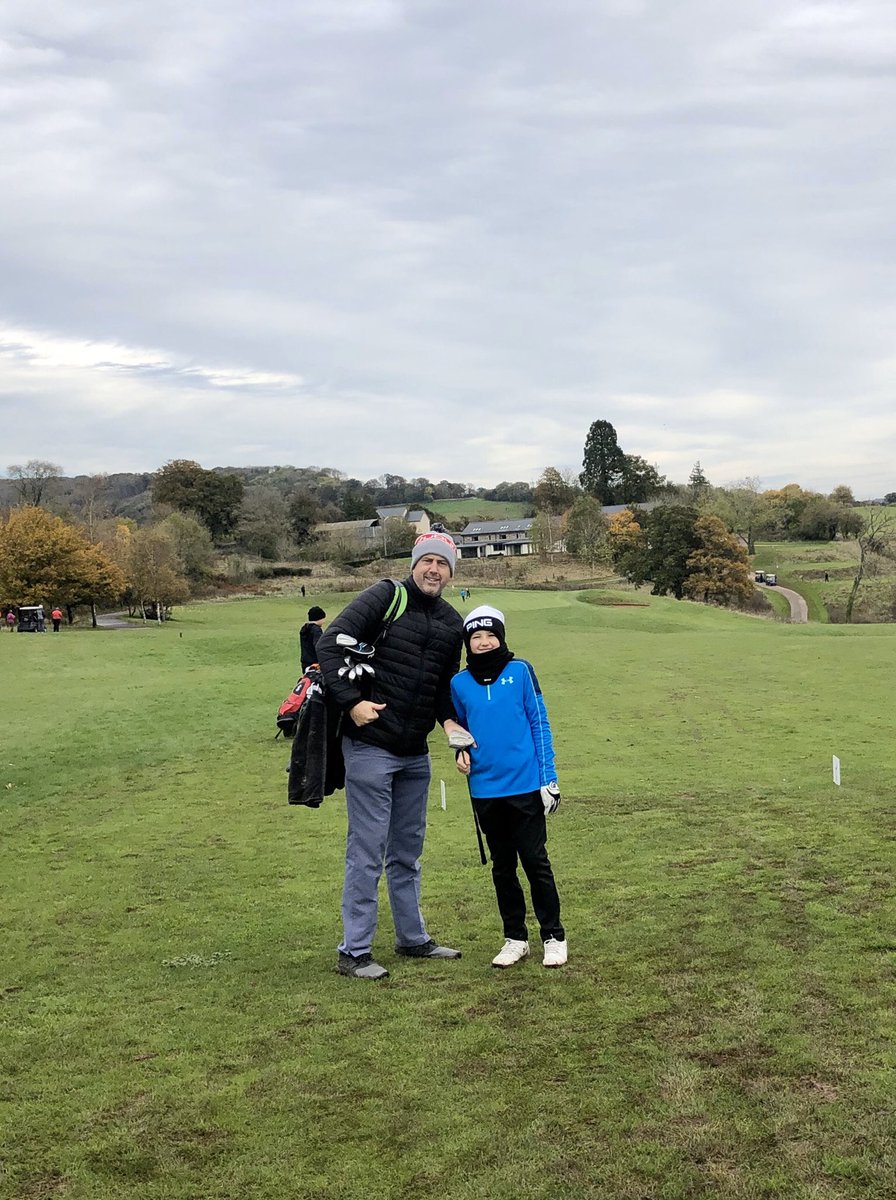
<point>309,635</point>
<point>11,621</point>
<point>56,618</point>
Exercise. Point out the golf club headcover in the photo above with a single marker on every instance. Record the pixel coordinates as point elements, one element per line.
<point>459,739</point>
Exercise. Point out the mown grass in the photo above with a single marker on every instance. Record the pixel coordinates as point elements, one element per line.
<point>801,566</point>
<point>779,603</point>
<point>172,1025</point>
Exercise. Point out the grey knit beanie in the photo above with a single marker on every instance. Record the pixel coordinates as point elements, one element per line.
<point>435,543</point>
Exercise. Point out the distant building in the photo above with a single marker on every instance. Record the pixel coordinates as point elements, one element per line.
<point>418,517</point>
<point>366,533</point>
<point>513,535</point>
<point>508,536</point>
<point>484,539</point>
<point>610,510</point>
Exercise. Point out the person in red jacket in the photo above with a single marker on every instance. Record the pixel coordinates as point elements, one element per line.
<point>56,618</point>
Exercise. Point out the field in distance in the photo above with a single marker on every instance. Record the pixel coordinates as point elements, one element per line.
<point>458,513</point>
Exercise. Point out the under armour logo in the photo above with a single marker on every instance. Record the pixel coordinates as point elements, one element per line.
<point>506,679</point>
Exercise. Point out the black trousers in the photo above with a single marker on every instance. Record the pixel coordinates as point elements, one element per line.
<point>516,832</point>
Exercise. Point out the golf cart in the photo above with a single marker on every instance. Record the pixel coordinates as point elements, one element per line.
<point>31,619</point>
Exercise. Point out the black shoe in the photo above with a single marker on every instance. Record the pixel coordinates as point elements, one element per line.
<point>360,966</point>
<point>428,950</point>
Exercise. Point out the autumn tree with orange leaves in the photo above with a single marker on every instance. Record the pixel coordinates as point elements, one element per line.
<point>45,561</point>
<point>718,571</point>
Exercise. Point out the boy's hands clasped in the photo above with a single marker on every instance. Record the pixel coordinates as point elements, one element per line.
<point>458,737</point>
<point>550,793</point>
<point>460,742</point>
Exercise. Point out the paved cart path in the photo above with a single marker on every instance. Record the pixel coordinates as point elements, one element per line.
<point>116,621</point>
<point>799,609</point>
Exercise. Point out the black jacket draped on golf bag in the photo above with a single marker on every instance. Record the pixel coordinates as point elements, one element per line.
<point>316,766</point>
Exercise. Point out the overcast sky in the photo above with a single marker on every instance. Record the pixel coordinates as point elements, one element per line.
<point>441,237</point>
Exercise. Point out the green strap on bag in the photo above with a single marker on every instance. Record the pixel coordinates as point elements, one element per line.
<point>397,605</point>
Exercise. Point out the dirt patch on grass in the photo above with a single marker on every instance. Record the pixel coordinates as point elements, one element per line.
<point>44,1186</point>
<point>743,1059</point>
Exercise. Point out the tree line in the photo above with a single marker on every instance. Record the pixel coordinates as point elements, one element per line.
<point>263,511</point>
<point>692,539</point>
<point>157,537</point>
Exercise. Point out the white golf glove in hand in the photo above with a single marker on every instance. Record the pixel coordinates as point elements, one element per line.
<point>459,739</point>
<point>550,797</point>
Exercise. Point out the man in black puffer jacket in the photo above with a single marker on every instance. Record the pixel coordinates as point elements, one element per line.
<point>387,767</point>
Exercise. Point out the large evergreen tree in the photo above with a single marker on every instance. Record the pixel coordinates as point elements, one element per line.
<point>603,463</point>
<point>612,476</point>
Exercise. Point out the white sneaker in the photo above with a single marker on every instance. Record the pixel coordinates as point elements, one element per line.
<point>555,953</point>
<point>511,952</point>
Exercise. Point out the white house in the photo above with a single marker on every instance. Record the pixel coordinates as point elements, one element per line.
<point>483,539</point>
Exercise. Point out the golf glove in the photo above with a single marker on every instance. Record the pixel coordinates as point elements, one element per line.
<point>550,797</point>
<point>459,739</point>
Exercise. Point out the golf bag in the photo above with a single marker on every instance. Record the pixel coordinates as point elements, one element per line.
<point>316,765</point>
<point>288,712</point>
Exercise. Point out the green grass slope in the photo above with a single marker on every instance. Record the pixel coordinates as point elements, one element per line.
<point>171,1025</point>
<point>458,513</point>
<point>803,566</point>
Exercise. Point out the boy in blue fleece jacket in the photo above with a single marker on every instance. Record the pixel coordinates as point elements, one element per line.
<point>513,781</point>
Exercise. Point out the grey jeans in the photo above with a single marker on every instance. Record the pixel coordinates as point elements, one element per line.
<point>386,800</point>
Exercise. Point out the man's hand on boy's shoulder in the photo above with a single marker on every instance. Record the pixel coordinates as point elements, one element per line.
<point>550,797</point>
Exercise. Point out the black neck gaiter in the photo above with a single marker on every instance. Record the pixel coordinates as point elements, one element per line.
<point>485,668</point>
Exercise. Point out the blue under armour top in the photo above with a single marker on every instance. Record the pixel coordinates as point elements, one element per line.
<point>514,752</point>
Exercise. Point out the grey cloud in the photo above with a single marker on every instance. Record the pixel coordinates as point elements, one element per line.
<point>427,210</point>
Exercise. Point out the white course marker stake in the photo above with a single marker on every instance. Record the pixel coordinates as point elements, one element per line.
<point>836,764</point>
<point>444,798</point>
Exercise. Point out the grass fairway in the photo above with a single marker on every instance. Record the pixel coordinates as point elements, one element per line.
<point>172,1026</point>
<point>459,513</point>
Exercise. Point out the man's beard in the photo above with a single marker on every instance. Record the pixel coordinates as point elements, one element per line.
<point>432,587</point>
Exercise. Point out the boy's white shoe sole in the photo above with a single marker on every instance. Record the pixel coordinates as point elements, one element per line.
<point>511,952</point>
<point>555,953</point>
